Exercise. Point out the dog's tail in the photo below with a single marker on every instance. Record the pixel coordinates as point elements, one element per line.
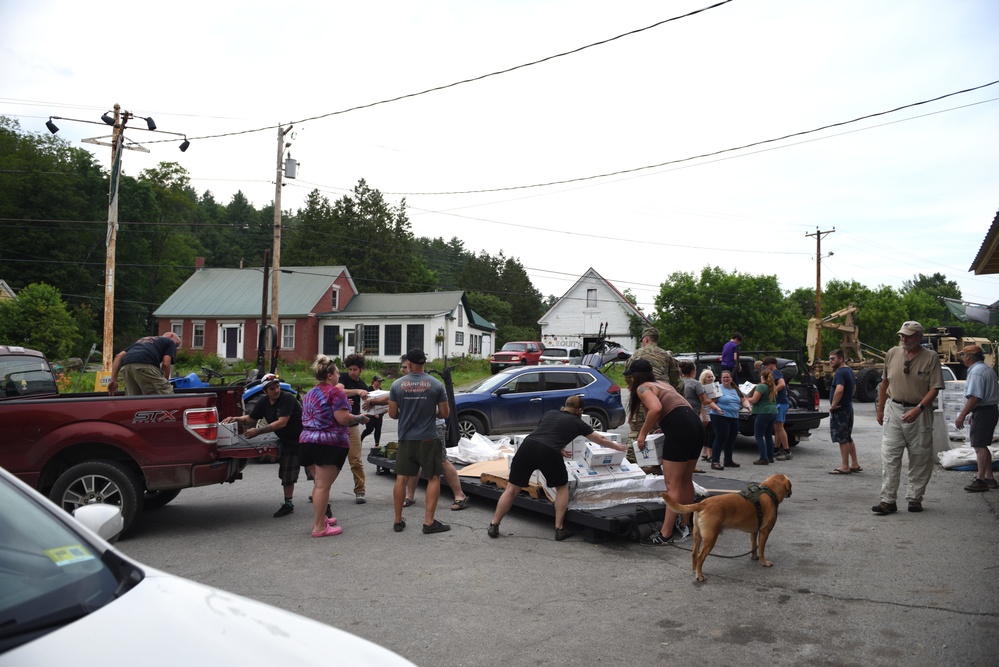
<point>680,508</point>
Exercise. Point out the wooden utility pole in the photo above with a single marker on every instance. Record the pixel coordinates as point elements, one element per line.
<point>818,285</point>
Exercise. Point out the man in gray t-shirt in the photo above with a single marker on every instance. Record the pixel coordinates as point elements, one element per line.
<point>417,401</point>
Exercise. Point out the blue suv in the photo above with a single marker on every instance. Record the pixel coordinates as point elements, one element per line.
<point>513,400</point>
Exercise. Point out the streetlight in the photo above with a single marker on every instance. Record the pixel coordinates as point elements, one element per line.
<point>117,144</point>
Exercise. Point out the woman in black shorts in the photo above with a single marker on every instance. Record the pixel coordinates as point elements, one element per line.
<point>324,441</point>
<point>668,411</point>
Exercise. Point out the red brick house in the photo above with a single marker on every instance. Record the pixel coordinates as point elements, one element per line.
<point>218,311</point>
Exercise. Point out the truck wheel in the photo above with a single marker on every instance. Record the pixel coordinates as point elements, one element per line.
<point>152,500</point>
<point>597,420</point>
<point>867,384</point>
<point>494,369</point>
<point>108,482</point>
<point>792,439</point>
<point>469,426</point>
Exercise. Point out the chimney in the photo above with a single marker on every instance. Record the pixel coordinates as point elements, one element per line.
<point>199,263</point>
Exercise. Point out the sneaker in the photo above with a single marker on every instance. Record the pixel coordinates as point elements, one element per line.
<point>915,506</point>
<point>436,527</point>
<point>787,455</point>
<point>781,456</point>
<point>563,534</point>
<point>993,484</point>
<point>359,499</point>
<point>329,511</point>
<point>977,485</point>
<point>656,539</point>
<point>883,508</point>
<point>760,462</point>
<point>493,530</point>
<point>288,508</point>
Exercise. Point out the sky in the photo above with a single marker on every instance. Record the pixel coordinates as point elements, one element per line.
<point>520,161</point>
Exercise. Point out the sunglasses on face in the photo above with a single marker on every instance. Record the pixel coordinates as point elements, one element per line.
<point>906,369</point>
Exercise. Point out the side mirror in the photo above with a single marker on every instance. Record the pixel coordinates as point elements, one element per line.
<point>105,520</point>
<point>502,391</point>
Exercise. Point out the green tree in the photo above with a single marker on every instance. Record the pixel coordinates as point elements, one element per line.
<point>38,319</point>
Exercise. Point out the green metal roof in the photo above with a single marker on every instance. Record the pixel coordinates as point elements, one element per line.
<point>418,304</point>
<point>239,292</point>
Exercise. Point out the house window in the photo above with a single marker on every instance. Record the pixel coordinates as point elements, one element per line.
<point>414,336</point>
<point>350,339</point>
<point>370,339</point>
<point>331,346</point>
<point>177,328</point>
<point>336,298</point>
<point>393,339</point>
<point>198,339</point>
<point>288,336</point>
<point>461,316</point>
<point>591,298</point>
<point>459,337</point>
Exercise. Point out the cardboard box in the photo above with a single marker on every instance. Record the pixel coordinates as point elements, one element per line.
<point>589,476</point>
<point>228,435</point>
<point>647,457</point>
<point>577,449</point>
<point>613,437</point>
<point>626,471</point>
<point>376,409</point>
<point>712,390</point>
<point>595,456</point>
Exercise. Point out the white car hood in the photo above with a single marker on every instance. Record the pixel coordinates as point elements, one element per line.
<point>168,620</point>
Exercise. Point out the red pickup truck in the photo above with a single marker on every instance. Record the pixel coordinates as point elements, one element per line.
<point>517,353</point>
<point>136,452</point>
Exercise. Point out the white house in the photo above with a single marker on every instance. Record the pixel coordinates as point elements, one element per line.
<point>588,304</point>
<point>440,323</point>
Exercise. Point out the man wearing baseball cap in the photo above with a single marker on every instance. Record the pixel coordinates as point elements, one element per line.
<point>912,379</point>
<point>543,450</point>
<point>283,414</point>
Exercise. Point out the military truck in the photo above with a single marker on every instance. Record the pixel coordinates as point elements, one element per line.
<point>867,362</point>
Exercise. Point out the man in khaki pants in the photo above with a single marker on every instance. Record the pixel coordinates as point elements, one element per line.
<point>912,379</point>
<point>356,391</point>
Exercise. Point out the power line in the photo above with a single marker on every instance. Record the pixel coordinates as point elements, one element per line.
<point>697,157</point>
<point>463,81</point>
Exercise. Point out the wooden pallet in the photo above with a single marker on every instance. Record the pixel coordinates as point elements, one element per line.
<point>534,490</point>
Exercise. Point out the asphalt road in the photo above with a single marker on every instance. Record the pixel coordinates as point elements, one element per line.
<point>847,587</point>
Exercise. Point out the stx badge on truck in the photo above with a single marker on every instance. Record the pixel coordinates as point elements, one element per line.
<point>155,416</point>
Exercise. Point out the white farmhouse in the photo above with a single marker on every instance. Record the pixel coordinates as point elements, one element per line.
<point>590,303</point>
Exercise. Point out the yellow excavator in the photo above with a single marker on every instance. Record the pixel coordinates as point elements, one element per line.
<point>867,362</point>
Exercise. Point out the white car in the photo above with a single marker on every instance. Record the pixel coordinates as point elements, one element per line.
<point>68,597</point>
<point>561,355</point>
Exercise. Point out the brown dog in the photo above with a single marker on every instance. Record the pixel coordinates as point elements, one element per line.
<point>732,510</point>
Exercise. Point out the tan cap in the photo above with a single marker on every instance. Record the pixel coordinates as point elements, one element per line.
<point>910,328</point>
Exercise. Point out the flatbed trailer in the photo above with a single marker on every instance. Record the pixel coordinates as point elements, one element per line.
<point>628,520</point>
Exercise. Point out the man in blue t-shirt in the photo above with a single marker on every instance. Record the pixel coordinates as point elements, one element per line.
<point>145,365</point>
<point>841,414</point>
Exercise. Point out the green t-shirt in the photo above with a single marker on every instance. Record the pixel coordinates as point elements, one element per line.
<point>765,406</point>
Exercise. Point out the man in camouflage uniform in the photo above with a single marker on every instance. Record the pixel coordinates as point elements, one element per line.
<point>665,369</point>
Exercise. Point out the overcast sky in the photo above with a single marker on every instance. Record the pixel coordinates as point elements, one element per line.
<point>908,192</point>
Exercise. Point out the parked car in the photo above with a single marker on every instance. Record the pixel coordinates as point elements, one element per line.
<point>516,353</point>
<point>561,355</point>
<point>68,597</point>
<point>513,400</point>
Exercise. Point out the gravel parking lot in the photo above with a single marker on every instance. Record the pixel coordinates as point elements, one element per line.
<point>847,587</point>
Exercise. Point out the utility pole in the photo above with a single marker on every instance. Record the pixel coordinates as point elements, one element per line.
<point>118,145</point>
<point>282,132</point>
<point>819,235</point>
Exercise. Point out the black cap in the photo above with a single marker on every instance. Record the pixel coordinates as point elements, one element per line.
<point>638,366</point>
